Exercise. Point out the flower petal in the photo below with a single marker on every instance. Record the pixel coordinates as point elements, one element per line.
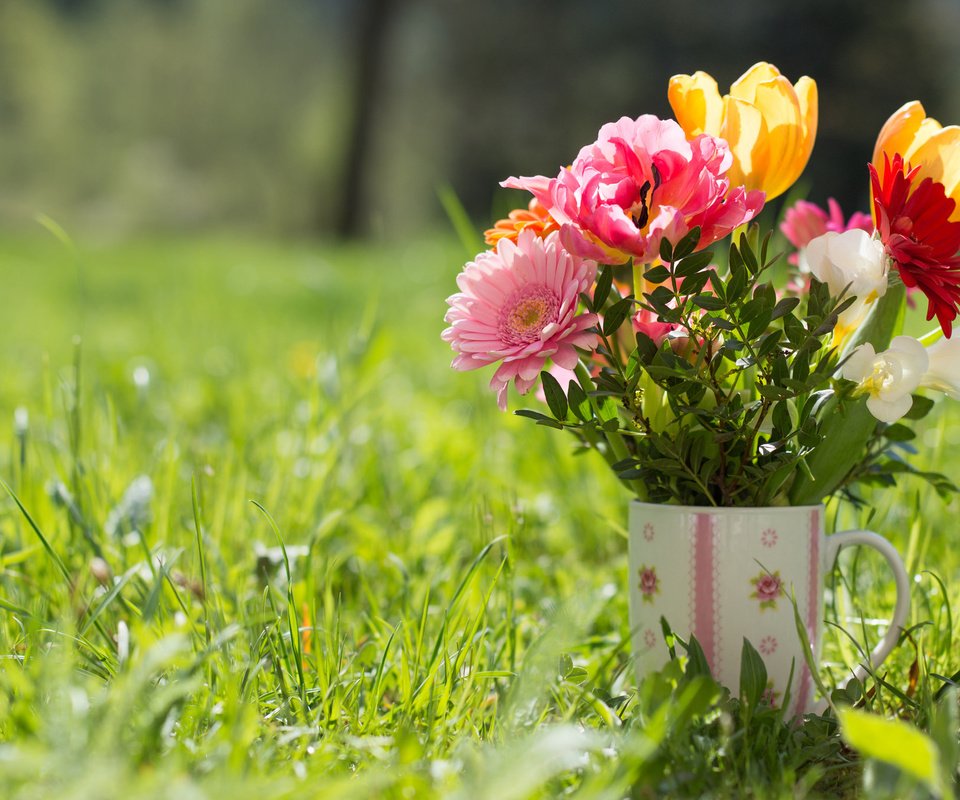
<point>746,133</point>
<point>696,103</point>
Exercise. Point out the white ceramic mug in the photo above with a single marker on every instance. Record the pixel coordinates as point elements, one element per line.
<point>725,574</point>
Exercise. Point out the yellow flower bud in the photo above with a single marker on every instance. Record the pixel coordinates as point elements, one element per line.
<point>769,123</point>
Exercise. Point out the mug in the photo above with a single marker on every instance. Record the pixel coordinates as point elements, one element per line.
<point>725,574</point>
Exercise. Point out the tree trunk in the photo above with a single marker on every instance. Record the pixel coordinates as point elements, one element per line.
<point>369,48</point>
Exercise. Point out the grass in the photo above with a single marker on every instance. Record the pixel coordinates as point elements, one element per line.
<point>260,542</point>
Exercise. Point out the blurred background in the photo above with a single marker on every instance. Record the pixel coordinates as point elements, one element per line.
<point>343,118</point>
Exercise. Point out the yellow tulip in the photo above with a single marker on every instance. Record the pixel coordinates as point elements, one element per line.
<point>923,142</point>
<point>769,123</point>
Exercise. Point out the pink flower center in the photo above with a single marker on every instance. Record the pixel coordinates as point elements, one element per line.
<point>526,314</point>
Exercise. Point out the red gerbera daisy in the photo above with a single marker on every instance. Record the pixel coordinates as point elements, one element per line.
<point>914,225</point>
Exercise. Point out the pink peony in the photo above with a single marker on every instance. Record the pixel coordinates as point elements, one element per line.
<point>642,180</point>
<point>518,304</point>
<point>805,221</point>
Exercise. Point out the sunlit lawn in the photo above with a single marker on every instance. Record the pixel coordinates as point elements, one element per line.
<point>456,615</point>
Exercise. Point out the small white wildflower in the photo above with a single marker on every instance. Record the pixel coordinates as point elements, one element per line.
<point>123,641</point>
<point>133,511</point>
<point>141,377</point>
<point>21,421</point>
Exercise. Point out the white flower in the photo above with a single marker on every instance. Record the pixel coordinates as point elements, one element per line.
<point>853,258</point>
<point>943,372</point>
<point>888,378</point>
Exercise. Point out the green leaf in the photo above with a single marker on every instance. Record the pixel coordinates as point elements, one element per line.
<point>541,419</point>
<point>736,286</point>
<point>579,402</point>
<point>794,330</point>
<point>666,251</point>
<point>646,348</point>
<point>616,314</point>
<point>602,290</point>
<point>769,343</point>
<point>691,265</point>
<point>773,392</point>
<point>896,743</point>
<point>801,366</point>
<point>899,433</point>
<point>781,418</point>
<point>920,408</point>
<point>752,309</point>
<point>753,675</point>
<point>697,663</point>
<point>687,244</point>
<point>708,302</point>
<point>748,255</point>
<point>657,274</point>
<point>720,322</point>
<point>694,283</point>
<point>759,325</point>
<point>609,414</point>
<point>781,369</point>
<point>785,306</point>
<point>556,399</point>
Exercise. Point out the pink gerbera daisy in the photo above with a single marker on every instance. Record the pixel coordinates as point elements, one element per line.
<point>518,305</point>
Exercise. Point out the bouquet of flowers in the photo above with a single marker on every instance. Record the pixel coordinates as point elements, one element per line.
<point>663,331</point>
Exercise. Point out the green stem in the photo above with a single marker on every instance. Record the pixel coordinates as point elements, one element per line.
<point>639,282</point>
<point>929,338</point>
<point>617,449</point>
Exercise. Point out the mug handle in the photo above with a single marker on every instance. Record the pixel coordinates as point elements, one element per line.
<point>837,541</point>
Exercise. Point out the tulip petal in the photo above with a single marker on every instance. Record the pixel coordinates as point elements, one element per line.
<point>745,87</point>
<point>808,99</point>
<point>899,132</point>
<point>768,123</point>
<point>780,108</point>
<point>939,157</point>
<point>746,133</point>
<point>696,103</point>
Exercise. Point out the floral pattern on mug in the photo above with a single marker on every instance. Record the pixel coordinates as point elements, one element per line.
<point>649,638</point>
<point>767,588</point>
<point>768,645</point>
<point>768,538</point>
<point>649,583</point>
<point>648,532</point>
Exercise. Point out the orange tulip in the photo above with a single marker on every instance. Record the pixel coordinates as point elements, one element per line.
<point>769,123</point>
<point>923,142</point>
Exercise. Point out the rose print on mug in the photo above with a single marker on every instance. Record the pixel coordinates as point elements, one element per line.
<point>767,588</point>
<point>649,583</point>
